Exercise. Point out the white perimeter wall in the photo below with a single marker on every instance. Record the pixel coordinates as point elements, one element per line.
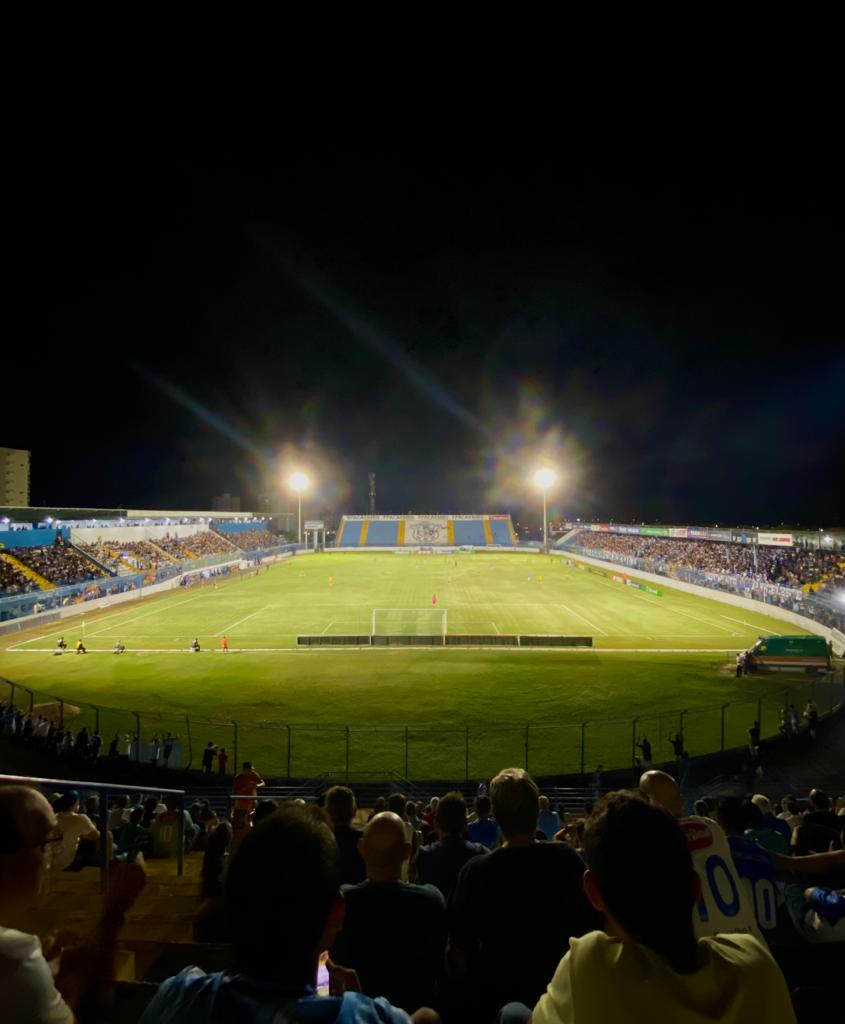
<point>667,582</point>
<point>92,534</point>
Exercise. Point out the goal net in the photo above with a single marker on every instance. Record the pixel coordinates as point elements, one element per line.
<point>409,622</point>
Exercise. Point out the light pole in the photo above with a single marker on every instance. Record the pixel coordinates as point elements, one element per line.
<point>298,482</point>
<point>544,478</point>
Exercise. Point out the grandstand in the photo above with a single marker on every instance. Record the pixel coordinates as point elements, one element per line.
<point>420,531</point>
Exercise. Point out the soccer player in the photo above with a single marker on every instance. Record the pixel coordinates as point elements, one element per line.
<point>434,599</point>
<point>80,647</point>
<point>119,648</point>
<point>61,643</point>
<point>224,644</point>
<point>195,646</point>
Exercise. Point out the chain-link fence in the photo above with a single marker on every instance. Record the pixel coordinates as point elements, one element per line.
<point>436,750</point>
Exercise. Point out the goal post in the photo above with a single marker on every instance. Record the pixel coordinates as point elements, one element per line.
<point>409,622</point>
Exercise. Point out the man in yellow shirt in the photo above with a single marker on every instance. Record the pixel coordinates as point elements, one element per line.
<point>647,965</point>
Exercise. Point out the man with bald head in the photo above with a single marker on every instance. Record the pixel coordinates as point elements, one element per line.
<point>394,933</point>
<point>725,905</point>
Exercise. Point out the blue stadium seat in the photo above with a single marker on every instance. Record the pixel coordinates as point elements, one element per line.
<point>382,533</point>
<point>469,531</point>
<point>351,536</point>
<point>500,530</point>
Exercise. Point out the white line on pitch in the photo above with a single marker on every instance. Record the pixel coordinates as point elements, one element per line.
<point>674,611</point>
<point>742,622</point>
<point>493,624</point>
<point>583,618</point>
<point>137,618</point>
<point>323,633</point>
<point>226,630</point>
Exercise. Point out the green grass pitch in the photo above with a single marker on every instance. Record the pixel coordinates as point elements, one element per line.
<point>411,710</point>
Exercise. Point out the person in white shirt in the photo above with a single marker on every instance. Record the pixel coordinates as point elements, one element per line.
<point>40,986</point>
<point>74,827</point>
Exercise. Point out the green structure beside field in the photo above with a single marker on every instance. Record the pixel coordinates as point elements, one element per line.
<point>422,713</point>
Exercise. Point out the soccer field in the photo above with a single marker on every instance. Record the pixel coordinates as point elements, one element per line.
<point>440,712</point>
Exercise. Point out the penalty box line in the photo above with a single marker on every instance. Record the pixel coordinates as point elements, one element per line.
<point>340,649</point>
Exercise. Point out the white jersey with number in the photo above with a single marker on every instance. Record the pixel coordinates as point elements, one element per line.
<point>725,905</point>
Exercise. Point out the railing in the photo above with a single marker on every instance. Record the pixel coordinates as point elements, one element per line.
<point>423,750</point>
<point>103,789</point>
<point>815,606</point>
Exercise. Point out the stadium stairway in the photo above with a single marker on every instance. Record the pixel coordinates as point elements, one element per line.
<point>164,554</point>
<point>90,558</point>
<point>25,570</point>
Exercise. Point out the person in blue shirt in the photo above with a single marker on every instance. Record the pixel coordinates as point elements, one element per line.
<point>283,907</point>
<point>548,821</point>
<point>484,829</point>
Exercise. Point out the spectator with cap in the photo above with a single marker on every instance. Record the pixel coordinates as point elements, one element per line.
<point>440,862</point>
<point>394,933</point>
<point>513,911</point>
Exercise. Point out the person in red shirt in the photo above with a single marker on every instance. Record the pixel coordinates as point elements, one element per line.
<point>224,644</point>
<point>222,761</point>
<point>246,783</point>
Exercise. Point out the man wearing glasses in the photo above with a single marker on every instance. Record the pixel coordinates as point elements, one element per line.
<point>29,838</point>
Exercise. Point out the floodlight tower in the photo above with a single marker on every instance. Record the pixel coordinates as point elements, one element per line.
<point>544,479</point>
<point>372,493</point>
<point>298,482</point>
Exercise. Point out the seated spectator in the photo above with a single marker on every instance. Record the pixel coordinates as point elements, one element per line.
<point>769,819</point>
<point>548,821</point>
<point>761,831</point>
<point>164,830</point>
<point>513,911</point>
<point>440,862</point>
<point>712,860</point>
<point>119,814</point>
<point>44,984</point>
<point>134,838</point>
<point>283,907</point>
<point>641,878</point>
<point>791,813</point>
<point>817,913</point>
<point>76,828</point>
<point>210,922</point>
<point>263,809</point>
<point>484,829</point>
<point>340,809</point>
<point>753,862</point>
<point>394,933</point>
<point>820,812</point>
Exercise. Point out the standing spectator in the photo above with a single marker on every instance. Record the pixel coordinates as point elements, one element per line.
<point>754,739</point>
<point>740,664</point>
<point>222,761</point>
<point>155,750</point>
<point>168,749</point>
<point>94,745</point>
<point>394,934</point>
<point>677,746</point>
<point>286,866</point>
<point>548,821</point>
<point>208,757</point>
<point>396,803</point>
<point>644,747</point>
<point>114,747</point>
<point>340,810</point>
<point>246,783</point>
<point>811,717</point>
<point>642,880</point>
<point>440,862</point>
<point>514,910</point>
<point>484,829</point>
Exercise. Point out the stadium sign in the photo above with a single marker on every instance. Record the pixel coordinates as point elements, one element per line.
<point>780,540</point>
<point>314,524</point>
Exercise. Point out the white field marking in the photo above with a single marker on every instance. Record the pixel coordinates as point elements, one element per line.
<point>226,630</point>
<point>583,618</point>
<point>392,650</point>
<point>323,632</point>
<point>155,611</point>
<point>674,611</point>
<point>493,624</point>
<point>742,622</point>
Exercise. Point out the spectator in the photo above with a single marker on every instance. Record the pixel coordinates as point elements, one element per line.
<point>820,812</point>
<point>222,761</point>
<point>396,803</point>
<point>119,814</point>
<point>283,908</point>
<point>709,848</point>
<point>514,910</point>
<point>439,863</point>
<point>769,820</point>
<point>641,878</point>
<point>44,984</point>
<point>208,757</point>
<point>210,922</point>
<point>394,933</point>
<point>752,861</point>
<point>246,783</point>
<point>548,821</point>
<point>817,913</point>
<point>75,828</point>
<point>134,838</point>
<point>484,829</point>
<point>340,810</point>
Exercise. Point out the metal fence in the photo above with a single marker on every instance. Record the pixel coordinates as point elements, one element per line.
<point>423,751</point>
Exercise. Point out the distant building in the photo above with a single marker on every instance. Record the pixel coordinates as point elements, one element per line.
<point>14,477</point>
<point>226,503</point>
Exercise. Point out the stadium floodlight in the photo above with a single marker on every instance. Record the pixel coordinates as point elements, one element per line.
<point>298,482</point>
<point>544,479</point>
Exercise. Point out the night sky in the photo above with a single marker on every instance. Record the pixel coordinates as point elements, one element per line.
<point>669,336</point>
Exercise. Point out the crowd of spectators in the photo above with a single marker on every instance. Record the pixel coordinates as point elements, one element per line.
<point>567,928</point>
<point>59,563</point>
<point>120,556</point>
<point>253,540</point>
<point>196,545</point>
<point>13,581</point>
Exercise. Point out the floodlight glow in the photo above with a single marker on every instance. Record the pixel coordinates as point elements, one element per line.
<point>545,478</point>
<point>298,482</point>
